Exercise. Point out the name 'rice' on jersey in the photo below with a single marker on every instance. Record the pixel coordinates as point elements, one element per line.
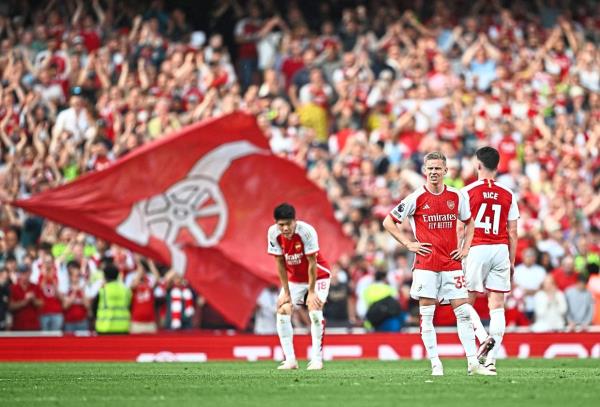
<point>492,205</point>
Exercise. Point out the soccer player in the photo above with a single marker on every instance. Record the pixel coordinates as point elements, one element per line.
<point>433,211</point>
<point>304,276</point>
<point>491,260</point>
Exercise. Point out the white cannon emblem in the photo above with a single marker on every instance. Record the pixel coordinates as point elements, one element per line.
<point>180,207</point>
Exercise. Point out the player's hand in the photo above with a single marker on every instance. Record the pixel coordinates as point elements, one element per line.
<point>313,301</point>
<point>283,299</point>
<point>419,248</point>
<point>459,254</point>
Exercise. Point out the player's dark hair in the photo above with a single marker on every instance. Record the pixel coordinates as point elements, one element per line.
<point>489,157</point>
<point>284,211</point>
<point>111,272</point>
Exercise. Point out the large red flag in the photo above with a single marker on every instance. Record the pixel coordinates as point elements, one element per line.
<point>200,200</point>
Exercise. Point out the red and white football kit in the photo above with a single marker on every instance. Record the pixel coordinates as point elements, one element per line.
<point>488,262</point>
<point>433,218</point>
<point>294,250</point>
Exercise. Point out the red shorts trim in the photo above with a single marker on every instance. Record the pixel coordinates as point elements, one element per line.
<point>475,291</point>
<point>497,291</point>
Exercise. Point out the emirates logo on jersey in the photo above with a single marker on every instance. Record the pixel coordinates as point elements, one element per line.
<point>450,204</point>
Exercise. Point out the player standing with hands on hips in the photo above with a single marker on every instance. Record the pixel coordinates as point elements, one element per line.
<point>305,279</point>
<point>433,211</point>
<point>491,261</point>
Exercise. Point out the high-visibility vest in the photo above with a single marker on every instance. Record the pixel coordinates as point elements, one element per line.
<point>378,291</point>
<point>113,314</point>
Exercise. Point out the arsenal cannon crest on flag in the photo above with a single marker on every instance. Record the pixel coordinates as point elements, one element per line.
<point>198,200</point>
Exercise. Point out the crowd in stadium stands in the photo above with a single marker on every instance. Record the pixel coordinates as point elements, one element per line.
<point>355,92</point>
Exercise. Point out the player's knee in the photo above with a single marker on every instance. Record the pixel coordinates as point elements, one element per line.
<point>496,301</point>
<point>285,309</point>
<point>463,312</point>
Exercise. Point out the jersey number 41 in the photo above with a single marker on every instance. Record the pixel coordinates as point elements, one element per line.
<point>484,222</point>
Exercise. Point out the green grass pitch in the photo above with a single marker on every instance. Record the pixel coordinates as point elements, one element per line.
<point>535,382</point>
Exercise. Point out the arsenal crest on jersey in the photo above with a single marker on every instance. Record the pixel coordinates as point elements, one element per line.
<point>298,246</point>
<point>450,204</point>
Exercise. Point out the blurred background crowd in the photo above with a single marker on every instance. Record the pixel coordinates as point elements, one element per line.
<point>355,92</point>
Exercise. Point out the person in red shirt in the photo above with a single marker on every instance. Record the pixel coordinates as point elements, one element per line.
<point>305,280</point>
<point>142,284</point>
<point>51,318</point>
<point>25,301</point>
<point>565,276</point>
<point>491,260</point>
<point>433,211</point>
<point>76,305</point>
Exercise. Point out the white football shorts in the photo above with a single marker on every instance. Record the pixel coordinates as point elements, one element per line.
<point>299,291</point>
<point>441,285</point>
<point>487,267</point>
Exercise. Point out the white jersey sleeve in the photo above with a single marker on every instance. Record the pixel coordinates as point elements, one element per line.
<point>513,211</point>
<point>464,210</point>
<point>405,208</point>
<point>309,237</point>
<point>273,246</point>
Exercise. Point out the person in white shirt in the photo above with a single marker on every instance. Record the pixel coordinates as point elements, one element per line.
<point>529,276</point>
<point>550,308</point>
<point>73,120</point>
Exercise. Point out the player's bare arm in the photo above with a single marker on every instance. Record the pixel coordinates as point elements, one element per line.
<point>285,297</point>
<point>312,300</point>
<point>462,252</point>
<point>512,244</point>
<point>416,247</point>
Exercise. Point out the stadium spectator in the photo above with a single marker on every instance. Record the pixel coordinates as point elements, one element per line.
<point>80,83</point>
<point>265,322</point>
<point>180,302</point>
<point>580,305</point>
<point>565,276</point>
<point>339,309</point>
<point>76,306</point>
<point>51,314</point>
<point>113,303</point>
<point>529,277</point>
<point>142,283</point>
<point>25,301</point>
<point>4,296</point>
<point>383,309</point>
<point>593,287</point>
<point>550,307</point>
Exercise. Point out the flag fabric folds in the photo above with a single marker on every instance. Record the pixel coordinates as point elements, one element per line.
<point>200,200</point>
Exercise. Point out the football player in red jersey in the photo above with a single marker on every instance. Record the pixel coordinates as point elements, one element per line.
<point>304,276</point>
<point>491,260</point>
<point>433,211</point>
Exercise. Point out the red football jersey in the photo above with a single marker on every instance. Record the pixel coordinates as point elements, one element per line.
<point>142,299</point>
<point>294,250</point>
<point>492,206</point>
<point>28,317</point>
<point>77,312</point>
<point>433,220</point>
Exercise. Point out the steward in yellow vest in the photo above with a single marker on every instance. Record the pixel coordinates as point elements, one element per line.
<point>114,300</point>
